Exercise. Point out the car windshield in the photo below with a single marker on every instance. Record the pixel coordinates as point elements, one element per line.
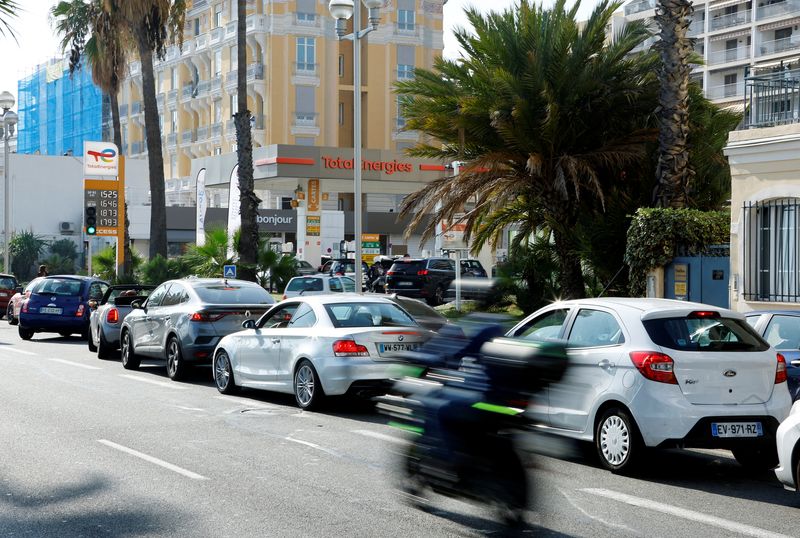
<point>305,284</point>
<point>408,266</point>
<point>704,334</point>
<point>368,315</point>
<point>59,286</point>
<point>233,293</point>
<point>7,283</point>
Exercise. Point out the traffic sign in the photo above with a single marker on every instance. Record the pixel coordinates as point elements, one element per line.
<point>229,271</point>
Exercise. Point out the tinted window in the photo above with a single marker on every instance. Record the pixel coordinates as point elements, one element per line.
<point>753,320</point>
<point>8,283</point>
<point>32,284</point>
<point>783,332</point>
<point>157,295</point>
<point>173,296</point>
<point>233,293</point>
<point>60,286</point>
<point>704,334</point>
<point>97,290</point>
<point>279,318</point>
<point>348,283</point>
<point>594,328</point>
<point>408,266</point>
<point>303,317</point>
<point>443,265</point>
<point>305,284</point>
<point>368,315</point>
<point>547,326</point>
<point>335,285</point>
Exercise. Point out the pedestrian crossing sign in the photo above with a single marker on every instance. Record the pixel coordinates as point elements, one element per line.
<point>229,271</point>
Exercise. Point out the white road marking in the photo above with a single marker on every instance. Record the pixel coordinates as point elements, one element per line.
<point>596,518</point>
<point>20,351</point>
<point>691,515</point>
<point>167,384</point>
<point>244,402</point>
<point>312,445</point>
<point>189,408</point>
<point>79,365</point>
<point>381,436</point>
<point>151,459</point>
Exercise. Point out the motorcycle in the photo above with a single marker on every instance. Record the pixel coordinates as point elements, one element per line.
<point>463,399</point>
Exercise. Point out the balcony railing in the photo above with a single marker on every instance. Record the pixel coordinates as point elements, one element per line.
<point>172,95</point>
<point>311,20</point>
<point>172,139</point>
<point>202,133</point>
<point>305,119</point>
<point>255,71</point>
<point>202,87</point>
<point>188,91</point>
<point>259,122</point>
<point>305,69</point>
<point>230,29</point>
<point>217,34</point>
<point>696,28</point>
<point>187,137</point>
<point>729,55</point>
<point>726,91</point>
<point>638,7</point>
<point>136,108</point>
<point>201,41</point>
<point>779,45</point>
<point>777,9</point>
<point>256,23</point>
<point>216,130</point>
<point>772,99</point>
<point>732,19</point>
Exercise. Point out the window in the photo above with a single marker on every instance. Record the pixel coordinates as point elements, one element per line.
<point>175,295</point>
<point>218,15</point>
<point>730,85</point>
<point>401,120</point>
<point>97,290</point>
<point>306,11</point>
<point>306,54</point>
<point>305,103</point>
<point>341,113</point>
<point>230,293</point>
<point>217,111</point>
<point>546,326</point>
<point>157,295</point>
<point>197,26</point>
<point>783,33</point>
<point>217,62</point>
<point>783,332</point>
<point>278,319</point>
<point>594,328</point>
<point>174,121</point>
<point>234,103</point>
<point>772,250</point>
<point>335,285</point>
<point>348,283</point>
<point>173,76</point>
<point>303,317</point>
<point>304,284</point>
<point>704,334</point>
<point>341,65</point>
<point>368,315</point>
<point>234,55</point>
<point>405,62</point>
<point>173,166</point>
<point>405,15</point>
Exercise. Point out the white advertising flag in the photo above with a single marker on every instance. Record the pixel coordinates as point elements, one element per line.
<point>234,205</point>
<point>202,204</point>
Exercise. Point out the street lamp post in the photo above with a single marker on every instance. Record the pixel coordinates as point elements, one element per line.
<point>342,10</point>
<point>9,120</point>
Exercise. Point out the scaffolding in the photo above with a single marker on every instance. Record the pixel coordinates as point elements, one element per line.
<point>58,111</point>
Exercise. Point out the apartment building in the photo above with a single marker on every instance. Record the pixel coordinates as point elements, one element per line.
<point>731,36</point>
<point>300,83</point>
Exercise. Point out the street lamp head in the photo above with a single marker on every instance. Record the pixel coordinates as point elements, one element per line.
<point>373,4</point>
<point>10,119</point>
<point>341,9</point>
<point>374,7</point>
<point>6,100</point>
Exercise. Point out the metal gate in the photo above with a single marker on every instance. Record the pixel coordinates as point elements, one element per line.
<point>701,279</point>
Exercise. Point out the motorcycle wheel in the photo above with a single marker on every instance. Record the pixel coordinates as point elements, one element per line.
<point>412,484</point>
<point>511,497</point>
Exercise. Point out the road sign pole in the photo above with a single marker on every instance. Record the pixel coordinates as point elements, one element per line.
<point>121,216</point>
<point>89,254</point>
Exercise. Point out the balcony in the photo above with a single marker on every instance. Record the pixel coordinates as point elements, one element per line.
<point>203,87</point>
<point>188,92</point>
<point>772,99</point>
<point>255,71</point>
<point>136,108</point>
<point>216,130</point>
<point>257,23</point>
<point>187,137</point>
<point>734,19</point>
<point>406,30</point>
<point>696,28</point>
<point>779,45</point>
<point>260,120</point>
<point>777,9</point>
<point>216,35</point>
<point>172,53</point>
<point>172,95</point>
<point>639,6</point>
<point>309,20</point>
<point>172,139</point>
<point>201,42</point>
<point>305,69</point>
<point>123,110</point>
<point>729,55</point>
<point>230,29</point>
<point>202,133</point>
<point>305,119</point>
<point>645,45</point>
<point>726,91</point>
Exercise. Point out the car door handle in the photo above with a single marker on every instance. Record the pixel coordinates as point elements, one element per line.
<point>276,340</point>
<point>605,364</point>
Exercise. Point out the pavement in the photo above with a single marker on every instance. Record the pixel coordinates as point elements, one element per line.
<point>90,449</point>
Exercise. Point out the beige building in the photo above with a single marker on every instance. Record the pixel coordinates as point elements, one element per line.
<point>300,82</point>
<point>764,156</point>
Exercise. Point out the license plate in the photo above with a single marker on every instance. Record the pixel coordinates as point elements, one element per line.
<point>49,310</point>
<point>737,429</point>
<point>405,283</point>
<point>3,294</point>
<point>394,348</point>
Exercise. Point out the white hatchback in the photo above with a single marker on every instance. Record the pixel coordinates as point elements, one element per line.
<point>788,440</point>
<point>661,373</point>
<point>318,285</point>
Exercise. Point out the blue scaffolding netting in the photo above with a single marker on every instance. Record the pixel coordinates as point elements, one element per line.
<point>58,111</point>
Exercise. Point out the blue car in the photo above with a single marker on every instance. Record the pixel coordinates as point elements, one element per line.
<point>60,304</point>
<point>781,328</point>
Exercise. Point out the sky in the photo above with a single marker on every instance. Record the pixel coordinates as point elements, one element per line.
<point>37,42</point>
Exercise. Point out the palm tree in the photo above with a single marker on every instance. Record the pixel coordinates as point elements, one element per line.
<point>673,171</point>
<point>550,112</point>
<point>25,249</point>
<point>8,10</point>
<point>248,239</point>
<point>209,259</point>
<point>106,53</point>
<point>152,25</point>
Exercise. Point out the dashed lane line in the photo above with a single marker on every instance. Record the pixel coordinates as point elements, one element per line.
<point>153,460</point>
<point>79,365</point>
<point>381,436</point>
<point>690,515</point>
<point>167,384</point>
<point>20,351</point>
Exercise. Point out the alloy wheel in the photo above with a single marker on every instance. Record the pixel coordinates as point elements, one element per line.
<point>304,385</point>
<point>173,357</point>
<point>615,440</point>
<point>221,371</point>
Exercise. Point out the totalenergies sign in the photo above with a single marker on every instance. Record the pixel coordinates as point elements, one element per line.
<point>100,159</point>
<point>389,167</point>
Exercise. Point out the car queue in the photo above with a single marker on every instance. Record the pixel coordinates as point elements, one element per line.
<point>643,373</point>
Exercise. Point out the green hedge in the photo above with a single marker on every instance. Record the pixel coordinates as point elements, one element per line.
<point>655,234</point>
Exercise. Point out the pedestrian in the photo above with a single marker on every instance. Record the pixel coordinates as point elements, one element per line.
<point>42,270</point>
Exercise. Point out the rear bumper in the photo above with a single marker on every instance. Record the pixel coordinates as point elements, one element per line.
<point>45,323</point>
<point>347,375</point>
<point>700,435</point>
<point>405,292</point>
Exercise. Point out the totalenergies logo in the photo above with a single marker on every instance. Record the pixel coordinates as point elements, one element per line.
<point>107,155</point>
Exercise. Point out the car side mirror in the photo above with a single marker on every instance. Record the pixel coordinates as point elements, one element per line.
<point>137,303</point>
<point>93,304</point>
<point>249,324</point>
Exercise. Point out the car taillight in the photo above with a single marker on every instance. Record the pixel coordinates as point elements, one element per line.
<point>112,316</point>
<point>25,306</point>
<point>348,348</point>
<point>391,272</point>
<point>79,311</point>
<point>204,316</point>
<point>423,272</point>
<point>780,370</point>
<point>655,366</point>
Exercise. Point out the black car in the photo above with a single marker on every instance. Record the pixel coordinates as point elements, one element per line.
<point>426,279</point>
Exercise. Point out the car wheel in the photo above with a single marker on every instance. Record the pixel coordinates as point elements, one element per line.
<point>129,359</point>
<point>438,295</point>
<point>617,440</point>
<point>307,388</point>
<point>25,333</point>
<point>90,340</point>
<point>176,366</point>
<point>104,349</point>
<point>223,373</point>
<point>757,458</point>
<point>10,315</point>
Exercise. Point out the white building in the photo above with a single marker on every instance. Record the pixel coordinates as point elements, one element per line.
<point>731,36</point>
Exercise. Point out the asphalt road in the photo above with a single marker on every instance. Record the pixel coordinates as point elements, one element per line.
<point>90,449</point>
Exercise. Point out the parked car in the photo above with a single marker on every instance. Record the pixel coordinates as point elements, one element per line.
<point>788,441</point>
<point>781,328</point>
<point>15,303</point>
<point>345,267</point>
<point>661,373</point>
<point>60,304</point>
<point>183,320</point>
<point>423,278</point>
<point>302,267</point>
<point>8,287</point>
<point>108,314</point>
<point>318,285</point>
<point>318,346</point>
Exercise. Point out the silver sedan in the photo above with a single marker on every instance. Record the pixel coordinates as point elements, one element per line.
<point>318,346</point>
<point>108,314</point>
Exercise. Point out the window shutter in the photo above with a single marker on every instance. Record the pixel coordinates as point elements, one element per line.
<point>306,6</point>
<point>405,55</point>
<point>305,99</point>
<point>405,5</point>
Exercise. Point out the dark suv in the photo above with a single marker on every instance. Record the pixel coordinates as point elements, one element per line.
<point>427,279</point>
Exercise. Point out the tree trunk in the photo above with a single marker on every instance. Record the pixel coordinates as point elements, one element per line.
<point>248,239</point>
<point>673,174</point>
<point>127,266</point>
<point>570,275</point>
<point>152,128</point>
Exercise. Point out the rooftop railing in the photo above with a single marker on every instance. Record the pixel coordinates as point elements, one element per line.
<point>771,99</point>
